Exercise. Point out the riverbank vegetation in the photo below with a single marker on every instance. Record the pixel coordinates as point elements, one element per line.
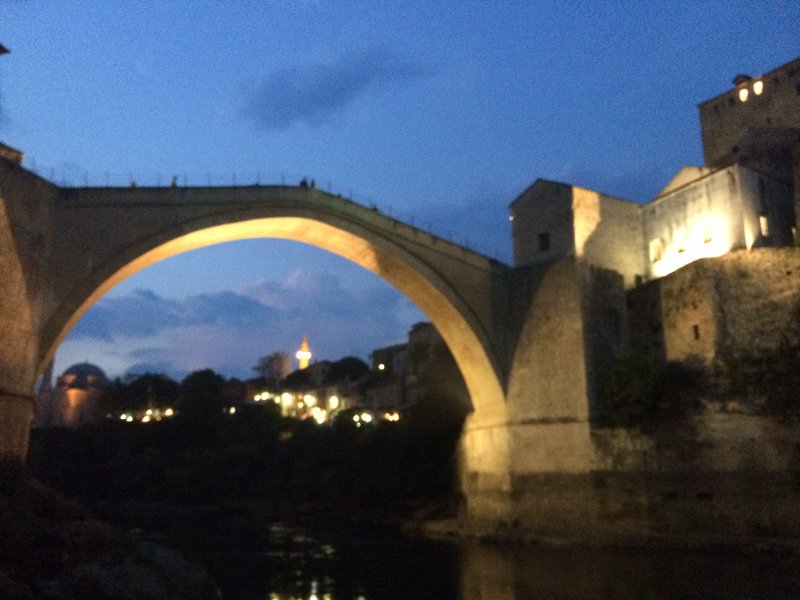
<point>204,456</point>
<point>644,393</point>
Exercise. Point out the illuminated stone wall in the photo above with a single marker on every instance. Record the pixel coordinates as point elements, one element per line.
<point>608,233</point>
<point>26,208</point>
<point>725,210</point>
<point>548,373</point>
<point>552,221</point>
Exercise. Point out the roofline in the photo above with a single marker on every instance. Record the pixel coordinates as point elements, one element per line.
<point>571,185</point>
<point>794,62</point>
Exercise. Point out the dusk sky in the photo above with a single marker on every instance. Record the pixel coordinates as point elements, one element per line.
<point>440,113</point>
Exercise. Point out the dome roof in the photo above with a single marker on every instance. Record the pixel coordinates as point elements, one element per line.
<point>83,375</point>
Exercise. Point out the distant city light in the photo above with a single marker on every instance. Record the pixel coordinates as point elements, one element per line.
<point>381,367</point>
<point>758,88</point>
<point>232,410</point>
<point>333,402</point>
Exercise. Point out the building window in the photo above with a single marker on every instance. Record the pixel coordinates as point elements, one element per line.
<point>656,250</point>
<point>763,225</point>
<point>544,242</point>
<point>696,332</point>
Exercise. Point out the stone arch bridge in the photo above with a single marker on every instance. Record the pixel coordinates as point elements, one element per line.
<point>63,248</point>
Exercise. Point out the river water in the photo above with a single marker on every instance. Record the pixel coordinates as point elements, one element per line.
<point>281,562</point>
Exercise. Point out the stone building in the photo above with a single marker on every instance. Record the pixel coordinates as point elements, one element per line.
<point>75,399</point>
<point>401,371</point>
<point>735,212</point>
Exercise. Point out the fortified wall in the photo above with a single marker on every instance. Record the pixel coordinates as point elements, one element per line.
<point>704,274</point>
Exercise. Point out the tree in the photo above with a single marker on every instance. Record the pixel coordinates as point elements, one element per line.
<point>348,368</point>
<point>150,390</point>
<point>273,367</point>
<point>201,397</point>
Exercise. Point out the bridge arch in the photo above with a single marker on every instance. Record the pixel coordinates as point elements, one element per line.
<point>356,234</point>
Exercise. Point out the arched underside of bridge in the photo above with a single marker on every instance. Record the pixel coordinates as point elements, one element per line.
<point>418,281</point>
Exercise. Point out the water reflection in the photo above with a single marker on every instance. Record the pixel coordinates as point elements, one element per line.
<point>489,572</point>
<point>289,563</point>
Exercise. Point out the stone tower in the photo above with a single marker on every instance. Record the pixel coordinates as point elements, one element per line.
<point>757,125</point>
<point>304,354</point>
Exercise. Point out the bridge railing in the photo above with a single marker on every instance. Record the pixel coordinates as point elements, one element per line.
<point>68,176</point>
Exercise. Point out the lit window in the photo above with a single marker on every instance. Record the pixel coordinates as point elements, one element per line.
<point>758,88</point>
<point>656,250</point>
<point>744,93</point>
<point>763,224</point>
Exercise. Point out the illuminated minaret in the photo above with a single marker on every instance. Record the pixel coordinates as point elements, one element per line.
<point>303,355</point>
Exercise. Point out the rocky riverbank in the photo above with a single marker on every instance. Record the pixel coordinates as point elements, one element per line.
<point>51,548</point>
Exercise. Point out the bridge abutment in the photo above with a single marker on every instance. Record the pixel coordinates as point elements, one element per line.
<point>26,232</point>
<point>16,416</point>
<point>540,482</point>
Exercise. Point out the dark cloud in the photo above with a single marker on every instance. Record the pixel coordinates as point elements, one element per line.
<point>140,314</point>
<point>228,331</point>
<point>313,93</point>
<point>144,313</point>
<point>227,309</point>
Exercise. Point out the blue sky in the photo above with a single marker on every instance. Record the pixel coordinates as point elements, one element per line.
<point>438,112</point>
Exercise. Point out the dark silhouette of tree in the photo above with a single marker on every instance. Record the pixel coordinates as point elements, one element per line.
<point>273,367</point>
<point>349,368</point>
<point>201,397</point>
<point>150,390</point>
<point>297,380</point>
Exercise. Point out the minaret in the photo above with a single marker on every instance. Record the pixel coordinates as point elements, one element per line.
<point>303,355</point>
